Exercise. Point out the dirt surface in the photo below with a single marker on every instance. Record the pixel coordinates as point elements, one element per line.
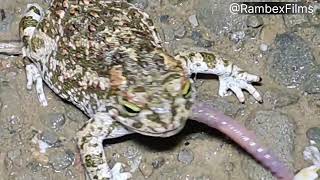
<point>254,43</point>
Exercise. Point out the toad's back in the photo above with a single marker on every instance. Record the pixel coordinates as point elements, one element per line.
<point>88,51</point>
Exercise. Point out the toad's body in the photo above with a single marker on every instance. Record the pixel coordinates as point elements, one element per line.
<point>106,58</point>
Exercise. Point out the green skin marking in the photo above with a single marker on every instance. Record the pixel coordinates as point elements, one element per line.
<point>91,160</point>
<point>28,21</point>
<point>210,59</point>
<point>35,10</point>
<point>36,43</point>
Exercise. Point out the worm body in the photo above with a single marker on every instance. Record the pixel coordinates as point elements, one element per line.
<point>205,113</point>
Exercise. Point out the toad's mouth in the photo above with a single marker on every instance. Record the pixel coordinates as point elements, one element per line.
<point>168,133</point>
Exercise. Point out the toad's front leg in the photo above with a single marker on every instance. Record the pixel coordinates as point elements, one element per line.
<point>33,75</point>
<point>90,138</point>
<point>230,76</point>
<point>28,28</point>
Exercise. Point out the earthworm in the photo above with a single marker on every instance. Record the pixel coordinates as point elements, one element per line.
<point>205,113</point>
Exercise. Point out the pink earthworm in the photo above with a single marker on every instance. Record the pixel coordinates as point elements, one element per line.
<point>206,114</point>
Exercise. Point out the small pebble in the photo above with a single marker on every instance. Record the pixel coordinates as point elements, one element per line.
<point>164,18</point>
<point>185,156</point>
<point>50,138</point>
<point>15,124</point>
<point>254,21</point>
<point>193,20</point>
<point>238,36</point>
<point>180,32</point>
<point>229,167</point>
<point>195,35</point>
<point>314,134</point>
<point>146,169</point>
<point>158,162</point>
<point>43,146</point>
<point>263,47</point>
<point>131,152</point>
<point>61,160</point>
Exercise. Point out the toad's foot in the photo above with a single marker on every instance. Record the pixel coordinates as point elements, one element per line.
<point>101,126</point>
<point>231,77</point>
<point>33,75</point>
<point>236,81</point>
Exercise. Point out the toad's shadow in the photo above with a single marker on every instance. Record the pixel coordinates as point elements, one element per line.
<point>163,144</point>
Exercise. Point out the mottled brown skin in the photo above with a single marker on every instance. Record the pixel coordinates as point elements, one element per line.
<point>106,51</point>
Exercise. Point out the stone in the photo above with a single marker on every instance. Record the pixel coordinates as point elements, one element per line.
<point>61,160</point>
<point>314,134</point>
<point>146,169</point>
<point>180,31</point>
<point>193,20</point>
<point>158,162</point>
<point>50,138</point>
<point>237,36</point>
<point>263,47</point>
<point>196,35</point>
<point>254,21</point>
<point>215,16</point>
<point>312,84</point>
<point>185,156</point>
<point>164,18</point>
<point>291,61</point>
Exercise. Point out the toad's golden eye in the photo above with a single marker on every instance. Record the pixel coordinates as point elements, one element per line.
<point>186,91</point>
<point>129,107</point>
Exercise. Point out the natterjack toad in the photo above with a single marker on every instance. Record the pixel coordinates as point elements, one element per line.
<point>106,58</point>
